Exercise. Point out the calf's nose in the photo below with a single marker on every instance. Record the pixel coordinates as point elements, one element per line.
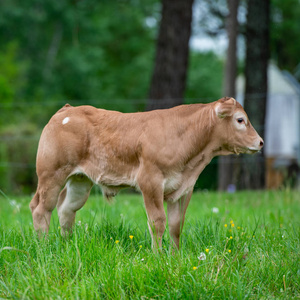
<point>261,143</point>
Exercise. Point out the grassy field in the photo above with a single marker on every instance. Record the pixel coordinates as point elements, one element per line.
<point>234,246</point>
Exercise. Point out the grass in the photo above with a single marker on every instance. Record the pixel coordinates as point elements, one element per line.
<point>249,249</point>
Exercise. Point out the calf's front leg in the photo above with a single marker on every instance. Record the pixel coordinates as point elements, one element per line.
<point>152,191</point>
<point>176,214</point>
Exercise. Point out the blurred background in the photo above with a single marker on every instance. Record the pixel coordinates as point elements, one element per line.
<point>136,55</point>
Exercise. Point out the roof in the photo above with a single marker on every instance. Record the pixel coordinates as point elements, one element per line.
<point>279,82</point>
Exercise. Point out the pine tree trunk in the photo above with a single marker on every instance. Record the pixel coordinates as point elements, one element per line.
<point>172,50</point>
<point>257,56</point>
<point>226,163</point>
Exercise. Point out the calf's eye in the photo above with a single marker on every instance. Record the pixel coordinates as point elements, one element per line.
<point>240,120</point>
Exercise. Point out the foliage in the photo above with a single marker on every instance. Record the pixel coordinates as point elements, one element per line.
<point>243,245</point>
<point>17,166</point>
<point>12,80</point>
<point>82,50</point>
<point>205,74</point>
<point>285,28</point>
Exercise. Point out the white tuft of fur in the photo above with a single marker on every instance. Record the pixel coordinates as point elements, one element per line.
<point>65,120</point>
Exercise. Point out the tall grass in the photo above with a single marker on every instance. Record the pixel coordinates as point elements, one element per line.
<point>239,246</point>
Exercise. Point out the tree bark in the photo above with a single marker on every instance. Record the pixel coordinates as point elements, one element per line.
<point>226,163</point>
<point>257,56</point>
<point>172,51</point>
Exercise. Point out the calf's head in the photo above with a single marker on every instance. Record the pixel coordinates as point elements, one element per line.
<point>234,129</point>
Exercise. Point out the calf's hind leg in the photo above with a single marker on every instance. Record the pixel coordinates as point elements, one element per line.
<point>43,203</point>
<point>72,198</point>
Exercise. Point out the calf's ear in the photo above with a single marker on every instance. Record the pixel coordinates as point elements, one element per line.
<point>225,107</point>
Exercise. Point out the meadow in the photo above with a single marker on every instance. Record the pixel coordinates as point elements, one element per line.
<point>234,246</point>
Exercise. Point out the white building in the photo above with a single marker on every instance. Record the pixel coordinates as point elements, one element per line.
<point>282,128</point>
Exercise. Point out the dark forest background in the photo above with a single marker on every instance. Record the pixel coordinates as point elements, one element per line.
<point>110,54</point>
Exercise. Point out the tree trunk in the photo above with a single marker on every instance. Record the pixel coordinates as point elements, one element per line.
<point>226,163</point>
<point>172,50</point>
<point>257,56</point>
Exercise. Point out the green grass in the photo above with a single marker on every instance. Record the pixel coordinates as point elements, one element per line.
<point>256,256</point>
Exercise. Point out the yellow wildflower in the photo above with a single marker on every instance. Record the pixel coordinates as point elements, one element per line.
<point>229,251</point>
<point>231,237</point>
<point>117,241</point>
<point>225,225</point>
<point>206,250</point>
<point>131,237</point>
<point>194,268</point>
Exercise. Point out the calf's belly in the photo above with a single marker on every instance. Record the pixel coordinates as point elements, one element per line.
<point>112,178</point>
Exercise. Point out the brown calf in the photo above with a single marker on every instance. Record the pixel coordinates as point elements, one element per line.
<point>161,153</point>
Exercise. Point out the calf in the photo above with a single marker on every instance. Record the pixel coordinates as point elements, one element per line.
<point>160,153</point>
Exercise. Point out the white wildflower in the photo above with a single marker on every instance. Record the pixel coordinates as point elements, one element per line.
<point>202,256</point>
<point>215,210</point>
